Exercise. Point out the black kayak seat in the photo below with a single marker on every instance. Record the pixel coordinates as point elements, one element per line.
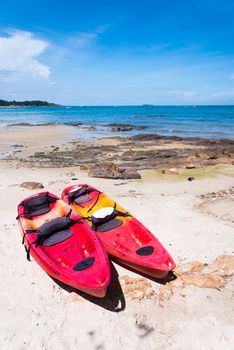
<point>38,205</point>
<point>79,195</point>
<point>105,219</point>
<point>110,225</point>
<point>54,231</point>
<point>82,199</point>
<point>57,237</point>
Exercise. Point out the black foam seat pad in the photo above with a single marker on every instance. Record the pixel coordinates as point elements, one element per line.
<point>57,237</point>
<point>110,225</point>
<point>54,231</point>
<point>39,212</point>
<point>82,199</point>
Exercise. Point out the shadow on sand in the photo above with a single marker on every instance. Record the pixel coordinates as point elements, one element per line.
<point>114,300</point>
<point>170,277</point>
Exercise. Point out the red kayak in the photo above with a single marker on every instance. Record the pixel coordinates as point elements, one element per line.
<point>63,244</point>
<point>123,236</point>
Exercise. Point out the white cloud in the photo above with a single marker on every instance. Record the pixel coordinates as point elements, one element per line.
<point>18,55</point>
<point>229,93</point>
<point>85,40</point>
<point>186,94</point>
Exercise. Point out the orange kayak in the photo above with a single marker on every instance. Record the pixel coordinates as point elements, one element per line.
<point>125,238</point>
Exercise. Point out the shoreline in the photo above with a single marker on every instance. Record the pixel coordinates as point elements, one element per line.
<point>121,129</point>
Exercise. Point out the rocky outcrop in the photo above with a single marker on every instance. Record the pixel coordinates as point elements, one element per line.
<point>32,185</point>
<point>124,127</point>
<point>111,170</point>
<point>139,152</point>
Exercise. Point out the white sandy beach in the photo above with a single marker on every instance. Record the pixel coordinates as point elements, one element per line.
<point>36,313</point>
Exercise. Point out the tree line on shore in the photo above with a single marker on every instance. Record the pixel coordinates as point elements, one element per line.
<point>34,103</point>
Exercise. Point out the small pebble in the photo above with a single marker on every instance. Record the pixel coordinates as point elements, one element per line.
<point>191,178</point>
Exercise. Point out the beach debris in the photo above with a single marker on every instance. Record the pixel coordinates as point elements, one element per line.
<point>165,292</point>
<point>190,166</point>
<point>214,275</point>
<point>31,185</point>
<point>194,266</point>
<point>85,166</point>
<point>70,174</point>
<point>220,194</point>
<point>73,124</point>
<point>17,146</point>
<point>201,280</point>
<point>39,154</point>
<point>112,171</point>
<point>124,127</point>
<point>171,171</point>
<point>120,127</point>
<point>218,204</point>
<point>136,288</point>
<point>191,178</point>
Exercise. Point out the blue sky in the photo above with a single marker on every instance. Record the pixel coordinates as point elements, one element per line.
<point>118,52</point>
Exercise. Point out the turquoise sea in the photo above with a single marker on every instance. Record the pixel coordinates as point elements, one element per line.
<point>185,121</point>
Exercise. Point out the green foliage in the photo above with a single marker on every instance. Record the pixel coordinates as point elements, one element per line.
<point>35,103</point>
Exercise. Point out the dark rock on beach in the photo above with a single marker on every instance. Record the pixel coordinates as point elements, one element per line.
<point>133,153</point>
<point>112,171</point>
<point>191,178</point>
<point>137,155</point>
<point>29,124</point>
<point>145,137</point>
<point>124,127</point>
<point>32,185</point>
<point>72,124</point>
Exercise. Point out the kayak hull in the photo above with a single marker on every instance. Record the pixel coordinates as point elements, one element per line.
<point>60,259</point>
<point>152,272</point>
<point>131,243</point>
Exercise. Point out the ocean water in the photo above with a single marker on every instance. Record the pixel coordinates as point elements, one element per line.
<point>185,121</point>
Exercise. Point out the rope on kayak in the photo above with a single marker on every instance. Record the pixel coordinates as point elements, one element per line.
<point>97,199</point>
<point>69,213</point>
<point>27,232</point>
<point>23,216</point>
<point>28,249</point>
